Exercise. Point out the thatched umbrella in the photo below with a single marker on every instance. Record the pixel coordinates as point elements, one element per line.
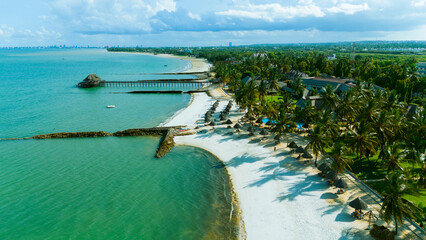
<point>264,132</point>
<point>358,203</point>
<point>341,183</point>
<point>323,167</point>
<point>251,129</point>
<point>292,145</point>
<point>229,121</point>
<point>222,118</point>
<point>300,150</point>
<point>237,125</point>
<point>332,175</point>
<point>212,123</point>
<point>307,155</point>
<point>278,137</point>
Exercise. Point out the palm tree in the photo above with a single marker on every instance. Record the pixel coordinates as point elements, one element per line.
<point>273,84</point>
<point>347,107</point>
<point>394,205</point>
<point>330,127</point>
<point>340,159</point>
<point>384,130</point>
<point>317,141</point>
<point>250,95</point>
<point>362,140</point>
<point>298,87</point>
<point>262,90</point>
<point>283,123</point>
<point>329,98</point>
<point>392,157</point>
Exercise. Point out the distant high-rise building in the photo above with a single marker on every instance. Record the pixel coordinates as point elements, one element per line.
<point>230,44</point>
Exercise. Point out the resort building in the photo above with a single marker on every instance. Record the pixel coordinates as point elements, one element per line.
<point>421,69</point>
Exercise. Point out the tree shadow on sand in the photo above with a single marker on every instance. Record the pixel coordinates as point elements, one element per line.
<point>329,195</point>
<point>303,187</point>
<point>277,174</point>
<point>256,140</point>
<point>269,166</point>
<point>237,161</point>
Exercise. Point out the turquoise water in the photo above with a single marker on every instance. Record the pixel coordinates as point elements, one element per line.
<point>99,188</point>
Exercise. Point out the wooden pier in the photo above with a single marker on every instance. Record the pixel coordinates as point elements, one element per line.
<point>94,81</point>
<point>157,83</point>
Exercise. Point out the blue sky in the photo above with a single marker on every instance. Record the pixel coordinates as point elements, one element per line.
<point>207,22</point>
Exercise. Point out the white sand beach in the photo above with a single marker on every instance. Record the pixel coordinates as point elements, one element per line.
<point>278,198</point>
<point>197,64</point>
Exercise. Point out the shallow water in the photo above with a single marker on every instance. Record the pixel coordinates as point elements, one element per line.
<point>99,188</point>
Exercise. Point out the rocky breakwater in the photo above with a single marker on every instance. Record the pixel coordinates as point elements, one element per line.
<point>71,135</point>
<point>166,144</point>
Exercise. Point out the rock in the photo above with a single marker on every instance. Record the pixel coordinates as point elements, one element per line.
<point>166,144</point>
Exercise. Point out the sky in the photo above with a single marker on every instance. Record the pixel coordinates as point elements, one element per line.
<point>192,23</point>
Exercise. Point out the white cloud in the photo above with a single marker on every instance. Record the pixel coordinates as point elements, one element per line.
<point>194,16</point>
<point>275,11</point>
<point>6,31</point>
<point>418,3</point>
<point>106,16</point>
<point>348,9</point>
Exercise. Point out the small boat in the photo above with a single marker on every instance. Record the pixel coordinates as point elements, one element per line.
<point>111,106</point>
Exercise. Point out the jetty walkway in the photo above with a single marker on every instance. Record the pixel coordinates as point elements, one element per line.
<point>94,81</point>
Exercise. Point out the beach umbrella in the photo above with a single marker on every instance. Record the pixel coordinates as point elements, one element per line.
<point>358,203</point>
<point>292,145</point>
<point>341,183</point>
<point>278,137</point>
<point>237,125</point>
<point>259,120</point>
<point>323,167</point>
<point>222,118</point>
<point>331,174</point>
<point>305,125</point>
<point>212,123</point>
<point>264,132</point>
<point>228,121</point>
<point>251,129</point>
<point>307,155</point>
<point>300,150</point>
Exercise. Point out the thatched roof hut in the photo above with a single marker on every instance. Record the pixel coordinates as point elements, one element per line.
<point>92,80</point>
<point>292,145</point>
<point>358,203</point>
<point>341,183</point>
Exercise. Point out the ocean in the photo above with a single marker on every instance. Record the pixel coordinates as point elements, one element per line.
<point>100,188</point>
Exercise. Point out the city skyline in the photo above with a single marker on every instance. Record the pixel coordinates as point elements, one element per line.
<point>209,23</point>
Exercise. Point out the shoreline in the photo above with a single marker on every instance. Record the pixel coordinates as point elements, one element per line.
<point>277,194</point>
<point>196,64</point>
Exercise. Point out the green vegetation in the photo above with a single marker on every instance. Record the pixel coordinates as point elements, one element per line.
<point>365,129</point>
